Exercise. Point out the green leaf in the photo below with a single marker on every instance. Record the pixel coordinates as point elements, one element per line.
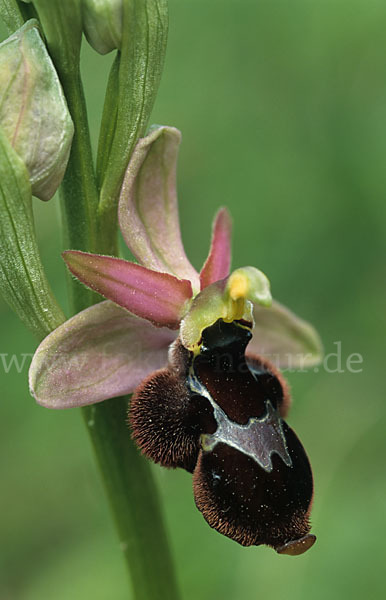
<point>138,71</point>
<point>109,121</point>
<point>62,26</point>
<point>22,279</point>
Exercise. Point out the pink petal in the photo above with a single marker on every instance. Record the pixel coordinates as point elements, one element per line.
<point>148,209</point>
<point>217,265</point>
<point>157,297</point>
<point>101,353</point>
<point>284,338</point>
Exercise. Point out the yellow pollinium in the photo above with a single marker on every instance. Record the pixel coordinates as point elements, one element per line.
<point>238,285</point>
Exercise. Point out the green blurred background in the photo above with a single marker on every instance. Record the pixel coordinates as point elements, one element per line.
<point>282,105</point>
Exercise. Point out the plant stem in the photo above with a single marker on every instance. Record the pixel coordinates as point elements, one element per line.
<point>79,189</point>
<point>78,192</point>
<point>127,475</point>
<point>134,500</point>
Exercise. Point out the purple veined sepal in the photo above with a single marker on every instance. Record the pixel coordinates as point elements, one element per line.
<point>102,352</point>
<point>148,214</point>
<point>148,207</point>
<point>203,413</point>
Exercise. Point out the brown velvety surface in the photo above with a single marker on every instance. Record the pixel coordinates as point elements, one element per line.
<point>242,501</point>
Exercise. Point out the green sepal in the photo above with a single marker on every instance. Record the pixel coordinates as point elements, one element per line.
<point>23,283</point>
<point>284,338</point>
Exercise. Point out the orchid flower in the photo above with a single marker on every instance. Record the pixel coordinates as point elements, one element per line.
<point>194,349</point>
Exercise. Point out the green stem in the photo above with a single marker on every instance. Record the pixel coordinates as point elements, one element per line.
<point>134,501</point>
<point>79,184</point>
<point>127,476</point>
<point>78,191</point>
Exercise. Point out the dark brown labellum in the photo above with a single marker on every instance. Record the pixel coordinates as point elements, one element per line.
<point>219,414</point>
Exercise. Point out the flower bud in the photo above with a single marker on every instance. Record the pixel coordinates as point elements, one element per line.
<point>102,24</point>
<point>33,111</point>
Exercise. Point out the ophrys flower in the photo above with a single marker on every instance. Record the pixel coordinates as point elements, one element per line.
<point>208,406</point>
